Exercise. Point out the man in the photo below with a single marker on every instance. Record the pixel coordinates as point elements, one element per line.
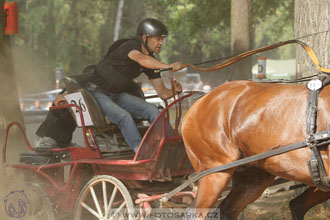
<point>112,81</point>
<point>57,129</point>
<point>126,60</point>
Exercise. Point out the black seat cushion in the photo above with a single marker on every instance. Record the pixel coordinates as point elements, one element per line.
<point>34,158</point>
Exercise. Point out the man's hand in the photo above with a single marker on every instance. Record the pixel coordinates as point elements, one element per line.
<point>176,66</point>
<point>178,87</point>
<point>162,91</point>
<point>60,99</point>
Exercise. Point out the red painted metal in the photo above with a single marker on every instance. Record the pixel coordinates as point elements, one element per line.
<point>4,147</point>
<point>11,17</point>
<point>78,153</point>
<point>39,169</point>
<point>94,142</point>
<point>162,116</point>
<point>115,162</point>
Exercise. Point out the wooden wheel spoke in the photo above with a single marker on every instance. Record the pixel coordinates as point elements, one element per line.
<point>90,210</point>
<point>110,197</point>
<point>104,189</point>
<point>113,195</point>
<point>118,210</point>
<point>96,202</point>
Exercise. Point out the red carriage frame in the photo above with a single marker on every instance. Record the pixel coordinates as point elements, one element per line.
<point>161,163</point>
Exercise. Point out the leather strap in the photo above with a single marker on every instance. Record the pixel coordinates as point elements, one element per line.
<point>241,56</point>
<point>315,164</point>
<point>317,170</point>
<point>321,138</point>
<point>312,111</point>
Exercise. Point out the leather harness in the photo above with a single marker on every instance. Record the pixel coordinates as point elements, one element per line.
<point>315,164</point>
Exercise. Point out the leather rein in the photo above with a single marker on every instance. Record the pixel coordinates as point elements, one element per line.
<point>241,56</point>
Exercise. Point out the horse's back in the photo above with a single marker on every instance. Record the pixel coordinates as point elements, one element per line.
<point>243,117</point>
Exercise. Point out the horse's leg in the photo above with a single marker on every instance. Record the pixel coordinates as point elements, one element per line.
<point>210,188</point>
<point>247,186</point>
<point>209,144</point>
<point>309,198</point>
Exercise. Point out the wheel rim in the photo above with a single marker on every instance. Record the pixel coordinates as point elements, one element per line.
<point>40,206</point>
<point>104,197</point>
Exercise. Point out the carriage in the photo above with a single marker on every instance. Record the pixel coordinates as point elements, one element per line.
<point>105,177</point>
<point>99,182</point>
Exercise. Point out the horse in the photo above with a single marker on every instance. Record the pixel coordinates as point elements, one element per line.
<point>244,118</point>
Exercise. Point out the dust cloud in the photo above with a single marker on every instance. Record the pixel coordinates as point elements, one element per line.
<point>11,191</point>
<point>18,199</point>
<point>32,73</point>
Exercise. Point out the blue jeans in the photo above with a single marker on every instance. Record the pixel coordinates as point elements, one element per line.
<point>121,108</point>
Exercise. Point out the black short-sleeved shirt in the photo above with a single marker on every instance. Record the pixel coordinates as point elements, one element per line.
<point>116,70</point>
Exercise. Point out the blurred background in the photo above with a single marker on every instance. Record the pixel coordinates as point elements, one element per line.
<point>58,38</point>
<point>71,34</point>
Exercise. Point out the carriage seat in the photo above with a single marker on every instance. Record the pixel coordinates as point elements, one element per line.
<point>99,119</point>
<point>73,84</point>
<point>106,133</point>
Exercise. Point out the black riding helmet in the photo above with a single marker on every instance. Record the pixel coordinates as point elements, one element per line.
<point>151,27</point>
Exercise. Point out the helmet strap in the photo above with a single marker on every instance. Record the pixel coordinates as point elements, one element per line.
<point>145,44</point>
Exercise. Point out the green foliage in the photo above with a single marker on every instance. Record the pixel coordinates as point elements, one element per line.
<point>66,33</point>
<point>273,24</point>
<point>198,29</point>
<point>73,33</point>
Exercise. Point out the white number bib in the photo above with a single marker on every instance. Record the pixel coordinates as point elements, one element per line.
<point>77,98</point>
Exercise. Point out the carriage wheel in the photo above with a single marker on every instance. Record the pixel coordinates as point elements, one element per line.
<point>39,205</point>
<point>104,197</point>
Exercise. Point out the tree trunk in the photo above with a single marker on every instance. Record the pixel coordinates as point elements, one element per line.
<point>311,23</point>
<point>118,19</point>
<point>74,28</point>
<point>241,36</point>
<point>51,34</point>
<point>9,103</point>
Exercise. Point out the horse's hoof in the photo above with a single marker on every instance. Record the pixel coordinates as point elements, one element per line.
<point>295,213</point>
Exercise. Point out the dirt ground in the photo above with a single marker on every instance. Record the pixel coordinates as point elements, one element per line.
<point>276,207</point>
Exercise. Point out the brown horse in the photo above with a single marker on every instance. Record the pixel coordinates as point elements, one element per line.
<point>243,118</point>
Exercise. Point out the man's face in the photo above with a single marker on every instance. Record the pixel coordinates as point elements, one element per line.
<point>155,43</point>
